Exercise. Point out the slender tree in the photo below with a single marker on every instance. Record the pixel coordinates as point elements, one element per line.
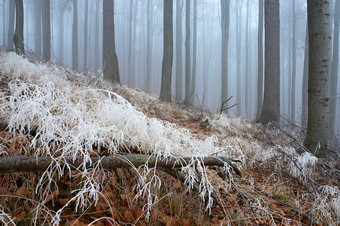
<point>37,27</point>
<point>292,102</point>
<point>86,24</point>
<point>11,17</point>
<point>165,94</point>
<point>75,36</point>
<point>271,101</point>
<point>187,52</point>
<point>260,62</point>
<point>149,43</point>
<point>305,83</point>
<point>110,60</point>
<point>46,31</point>
<point>4,22</point>
<point>334,69</point>
<point>318,76</point>
<point>194,55</point>
<point>179,54</point>
<point>130,44</point>
<point>96,38</point>
<point>247,76</point>
<point>19,27</point>
<point>238,56</point>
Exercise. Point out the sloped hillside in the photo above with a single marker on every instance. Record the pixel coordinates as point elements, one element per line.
<point>77,122</point>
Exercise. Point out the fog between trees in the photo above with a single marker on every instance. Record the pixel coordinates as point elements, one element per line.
<point>77,42</point>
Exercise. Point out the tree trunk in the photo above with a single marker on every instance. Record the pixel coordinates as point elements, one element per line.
<point>292,102</point>
<point>86,24</point>
<point>37,27</point>
<point>61,33</point>
<point>187,52</point>
<point>271,101</point>
<point>96,38</point>
<point>110,60</point>
<point>19,27</point>
<point>75,36</point>
<point>179,53</point>
<point>194,55</point>
<point>260,62</point>
<point>167,51</point>
<point>305,83</point>
<point>130,45</point>
<point>238,57</point>
<point>318,76</point>
<point>46,31</point>
<point>247,76</point>
<point>334,70</point>
<point>4,22</point>
<point>224,54</point>
<point>149,43</point>
<point>11,18</point>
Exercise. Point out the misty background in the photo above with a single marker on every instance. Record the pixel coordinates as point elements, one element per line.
<point>140,21</point>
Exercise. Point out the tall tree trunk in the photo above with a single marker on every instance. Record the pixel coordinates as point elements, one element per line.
<point>271,101</point>
<point>11,17</point>
<point>334,69</point>
<point>149,43</point>
<point>130,45</point>
<point>46,31</point>
<point>305,83</point>
<point>187,52</point>
<point>194,55</point>
<point>75,36</point>
<point>224,54</point>
<point>167,51</point>
<point>179,53</point>
<point>292,113</point>
<point>318,76</point>
<point>260,62</point>
<point>4,22</point>
<point>37,27</point>
<point>61,33</point>
<point>86,24</point>
<point>238,57</point>
<point>247,77</point>
<point>288,96</point>
<point>96,38</point>
<point>110,60</point>
<point>19,27</point>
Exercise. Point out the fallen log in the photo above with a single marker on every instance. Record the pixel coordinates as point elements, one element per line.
<point>35,164</point>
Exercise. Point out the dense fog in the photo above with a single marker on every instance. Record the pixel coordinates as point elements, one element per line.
<point>136,21</point>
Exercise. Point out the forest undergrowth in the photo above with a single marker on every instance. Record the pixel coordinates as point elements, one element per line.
<point>53,112</point>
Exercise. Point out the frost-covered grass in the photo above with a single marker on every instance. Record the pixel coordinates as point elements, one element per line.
<point>73,119</point>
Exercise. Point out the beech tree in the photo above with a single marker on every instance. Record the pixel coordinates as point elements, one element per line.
<point>75,35</point>
<point>271,101</point>
<point>319,37</point>
<point>110,60</point>
<point>187,52</point>
<point>46,31</point>
<point>225,41</point>
<point>167,51</point>
<point>19,27</point>
<point>260,62</point>
<point>179,54</point>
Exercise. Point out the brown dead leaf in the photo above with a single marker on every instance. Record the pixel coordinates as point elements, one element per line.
<point>63,201</point>
<point>139,213</point>
<point>22,191</point>
<point>185,222</point>
<point>50,197</point>
<point>128,216</point>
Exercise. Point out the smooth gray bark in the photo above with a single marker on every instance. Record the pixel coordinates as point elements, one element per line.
<point>130,44</point>
<point>75,36</point>
<point>165,94</point>
<point>271,101</point>
<point>187,52</point>
<point>225,17</point>
<point>86,24</point>
<point>19,27</point>
<point>110,60</point>
<point>96,38</point>
<point>247,75</point>
<point>46,31</point>
<point>334,69</point>
<point>179,53</point>
<point>11,19</point>
<point>37,26</point>
<point>149,44</point>
<point>318,76</point>
<point>292,102</point>
<point>238,57</point>
<point>305,84</point>
<point>260,62</point>
<point>194,54</point>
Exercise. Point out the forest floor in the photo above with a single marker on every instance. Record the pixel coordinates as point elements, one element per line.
<point>280,183</point>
